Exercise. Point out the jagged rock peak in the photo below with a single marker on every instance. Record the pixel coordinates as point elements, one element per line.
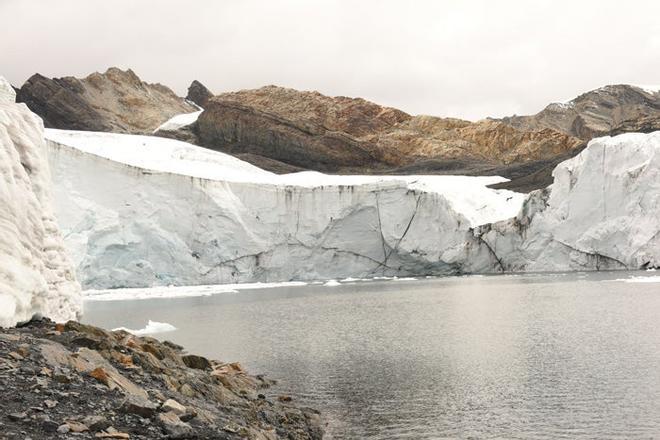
<point>198,93</point>
<point>116,100</point>
<point>610,109</point>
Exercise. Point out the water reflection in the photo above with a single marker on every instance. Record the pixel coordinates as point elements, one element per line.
<point>539,356</point>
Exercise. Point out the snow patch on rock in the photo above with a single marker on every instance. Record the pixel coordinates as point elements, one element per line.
<point>179,121</point>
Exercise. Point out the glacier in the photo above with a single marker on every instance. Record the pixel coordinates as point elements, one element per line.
<point>36,275</point>
<point>602,212</point>
<point>143,211</point>
<point>140,211</point>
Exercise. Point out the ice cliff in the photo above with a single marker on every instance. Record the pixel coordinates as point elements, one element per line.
<point>36,276</point>
<point>601,212</point>
<point>141,211</point>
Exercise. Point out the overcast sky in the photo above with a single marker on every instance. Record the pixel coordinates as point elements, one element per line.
<point>460,58</point>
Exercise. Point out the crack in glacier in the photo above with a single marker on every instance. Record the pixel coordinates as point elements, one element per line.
<point>597,255</point>
<point>380,226</point>
<point>491,250</point>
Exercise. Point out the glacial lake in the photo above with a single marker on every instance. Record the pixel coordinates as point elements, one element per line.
<point>573,356</point>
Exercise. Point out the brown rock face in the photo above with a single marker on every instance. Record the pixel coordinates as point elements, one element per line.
<point>198,93</point>
<point>313,131</point>
<point>116,101</point>
<point>607,110</point>
<point>428,137</point>
<point>303,129</point>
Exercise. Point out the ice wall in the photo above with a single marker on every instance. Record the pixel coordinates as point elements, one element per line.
<point>601,212</point>
<point>36,276</point>
<point>138,220</point>
<point>141,211</point>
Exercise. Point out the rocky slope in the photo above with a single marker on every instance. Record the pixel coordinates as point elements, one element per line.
<point>36,275</point>
<point>115,101</point>
<point>284,130</point>
<point>313,131</point>
<point>77,381</point>
<point>608,110</point>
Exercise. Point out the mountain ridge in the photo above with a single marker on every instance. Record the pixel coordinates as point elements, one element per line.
<point>116,100</point>
<point>286,130</point>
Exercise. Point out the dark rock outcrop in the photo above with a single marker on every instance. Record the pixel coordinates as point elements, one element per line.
<point>198,93</point>
<point>132,388</point>
<point>116,101</point>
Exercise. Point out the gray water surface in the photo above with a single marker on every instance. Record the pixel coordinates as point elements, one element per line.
<point>529,357</point>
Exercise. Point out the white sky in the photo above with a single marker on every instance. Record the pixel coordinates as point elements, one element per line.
<point>467,59</point>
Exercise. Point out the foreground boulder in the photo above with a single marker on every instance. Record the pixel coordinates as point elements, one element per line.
<point>115,100</point>
<point>36,275</point>
<point>48,388</point>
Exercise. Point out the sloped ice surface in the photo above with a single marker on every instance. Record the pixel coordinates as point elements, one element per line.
<point>140,211</point>
<point>36,275</point>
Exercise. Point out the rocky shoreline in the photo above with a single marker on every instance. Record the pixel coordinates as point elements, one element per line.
<point>66,381</point>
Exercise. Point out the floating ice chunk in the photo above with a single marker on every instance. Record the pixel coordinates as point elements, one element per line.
<point>178,291</point>
<point>653,279</point>
<point>151,328</point>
